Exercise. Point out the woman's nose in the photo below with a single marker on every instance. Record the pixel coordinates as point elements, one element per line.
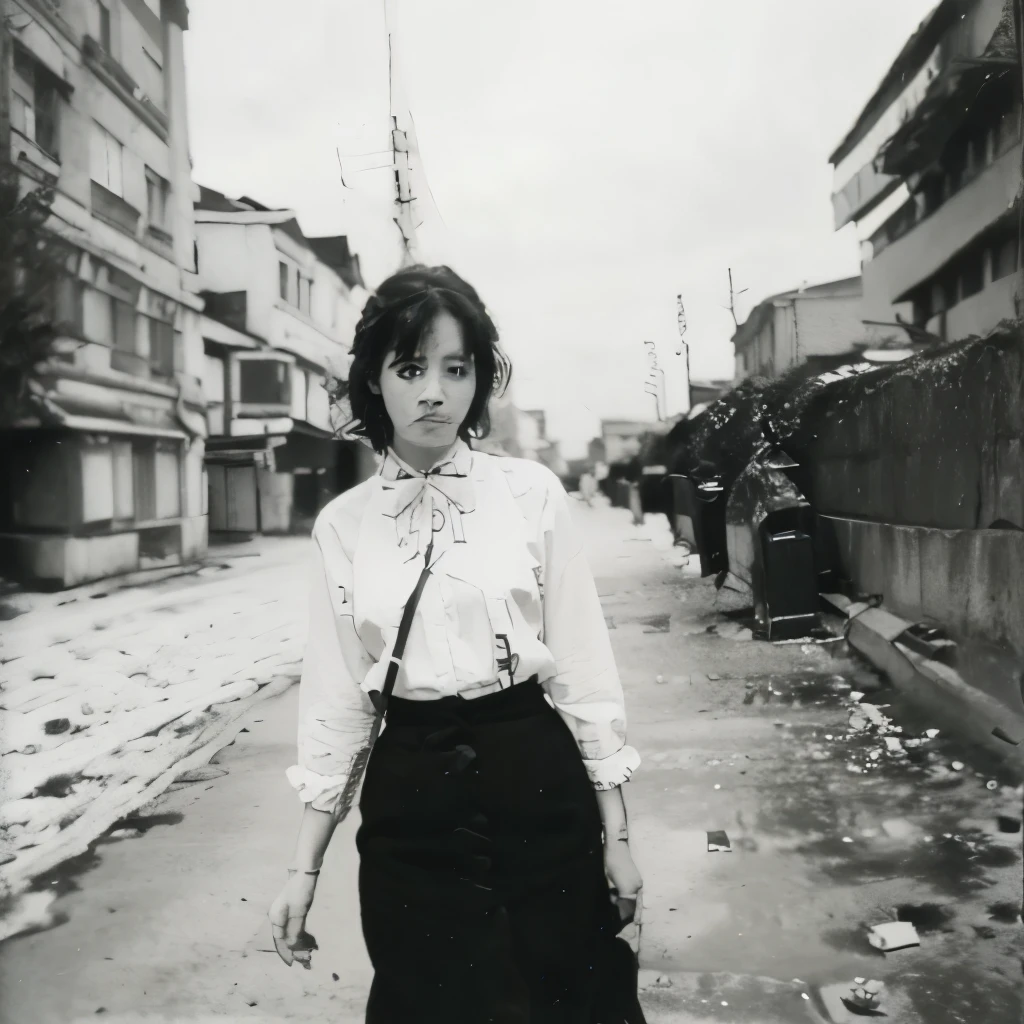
<point>432,391</point>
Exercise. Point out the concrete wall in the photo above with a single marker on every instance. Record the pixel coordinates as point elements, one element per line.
<point>924,486</point>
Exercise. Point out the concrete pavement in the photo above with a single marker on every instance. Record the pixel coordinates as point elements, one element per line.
<point>831,832</point>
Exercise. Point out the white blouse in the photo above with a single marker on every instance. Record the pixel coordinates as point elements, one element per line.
<point>510,596</point>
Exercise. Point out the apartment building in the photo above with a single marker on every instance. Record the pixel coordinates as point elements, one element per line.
<point>930,173</point>
<point>103,472</point>
<point>820,325</point>
<point>281,311</point>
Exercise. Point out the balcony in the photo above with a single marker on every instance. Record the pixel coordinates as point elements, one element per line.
<point>120,82</point>
<point>924,250</point>
<point>114,210</point>
<point>978,314</point>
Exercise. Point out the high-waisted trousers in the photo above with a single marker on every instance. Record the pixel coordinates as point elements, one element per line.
<point>482,888</point>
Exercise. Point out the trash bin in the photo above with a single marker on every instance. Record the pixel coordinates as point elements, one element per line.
<point>698,508</point>
<point>770,544</point>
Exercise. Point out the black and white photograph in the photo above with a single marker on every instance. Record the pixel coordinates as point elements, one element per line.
<point>511,511</point>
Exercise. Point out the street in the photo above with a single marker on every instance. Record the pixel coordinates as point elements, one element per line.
<point>839,818</point>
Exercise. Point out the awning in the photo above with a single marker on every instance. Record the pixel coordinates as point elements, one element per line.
<point>67,412</point>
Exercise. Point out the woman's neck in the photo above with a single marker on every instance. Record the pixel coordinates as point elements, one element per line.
<point>417,457</point>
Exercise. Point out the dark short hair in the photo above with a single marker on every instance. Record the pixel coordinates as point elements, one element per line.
<point>395,318</point>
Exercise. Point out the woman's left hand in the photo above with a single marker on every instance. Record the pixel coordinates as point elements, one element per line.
<point>623,876</point>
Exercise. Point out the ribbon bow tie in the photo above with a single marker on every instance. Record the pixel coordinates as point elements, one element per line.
<point>426,503</point>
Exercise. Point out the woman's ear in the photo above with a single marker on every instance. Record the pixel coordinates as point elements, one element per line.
<point>373,386</point>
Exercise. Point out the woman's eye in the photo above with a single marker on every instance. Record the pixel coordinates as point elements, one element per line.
<point>408,372</point>
<point>459,371</point>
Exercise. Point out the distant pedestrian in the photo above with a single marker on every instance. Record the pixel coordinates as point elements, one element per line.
<point>495,868</point>
<point>588,488</point>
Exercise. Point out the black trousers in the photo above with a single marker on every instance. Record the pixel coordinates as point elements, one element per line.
<point>481,881</point>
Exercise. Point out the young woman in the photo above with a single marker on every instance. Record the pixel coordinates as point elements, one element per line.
<point>495,867</point>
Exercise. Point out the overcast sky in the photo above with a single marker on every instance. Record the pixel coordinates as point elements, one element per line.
<point>588,160</point>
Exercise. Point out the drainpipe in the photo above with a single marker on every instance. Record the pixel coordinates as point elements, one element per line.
<point>6,57</point>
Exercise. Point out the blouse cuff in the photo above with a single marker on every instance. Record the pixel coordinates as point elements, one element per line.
<point>614,770</point>
<point>322,791</point>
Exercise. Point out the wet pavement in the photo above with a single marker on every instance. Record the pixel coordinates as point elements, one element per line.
<point>840,810</point>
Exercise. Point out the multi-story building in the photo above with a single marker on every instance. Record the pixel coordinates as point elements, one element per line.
<point>819,325</point>
<point>930,172</point>
<point>281,310</point>
<point>105,474</point>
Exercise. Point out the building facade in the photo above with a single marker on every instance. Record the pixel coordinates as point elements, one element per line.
<point>820,325</point>
<point>103,473</point>
<point>930,173</point>
<point>281,311</point>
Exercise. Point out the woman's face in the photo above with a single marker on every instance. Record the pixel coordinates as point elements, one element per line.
<point>428,396</point>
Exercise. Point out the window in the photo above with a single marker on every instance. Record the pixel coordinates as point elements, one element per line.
<point>97,484</point>
<point>158,192</point>
<point>304,290</point>
<point>1004,258</point>
<point>35,104</point>
<point>163,346</point>
<point>263,382</point>
<point>282,269</point>
<point>972,276</point>
<point>124,491</point>
<point>106,161</point>
<point>156,472</point>
<point>106,34</point>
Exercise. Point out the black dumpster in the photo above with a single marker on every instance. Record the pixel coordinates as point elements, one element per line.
<point>770,542</point>
<point>698,508</point>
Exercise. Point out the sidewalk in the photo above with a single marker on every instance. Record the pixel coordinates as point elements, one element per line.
<point>840,810</point>
<point>110,691</point>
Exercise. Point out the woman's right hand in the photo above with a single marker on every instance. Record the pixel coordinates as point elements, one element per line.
<point>288,919</point>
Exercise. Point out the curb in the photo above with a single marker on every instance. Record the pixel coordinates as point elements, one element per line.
<point>874,633</point>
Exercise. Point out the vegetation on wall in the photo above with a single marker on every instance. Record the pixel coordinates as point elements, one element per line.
<point>796,409</point>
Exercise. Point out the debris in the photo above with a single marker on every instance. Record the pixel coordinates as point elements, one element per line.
<point>894,743</point>
<point>957,766</point>
<point>201,775</point>
<point>900,828</point>
<point>87,710</point>
<point>991,784</point>
<point>893,935</point>
<point>931,733</point>
<point>659,679</point>
<point>865,995</point>
<point>714,678</point>
<point>984,931</point>
<point>856,695</point>
<point>847,839</point>
<point>718,842</point>
<point>56,726</point>
<point>1005,822</point>
<point>717,786</point>
<point>1000,734</point>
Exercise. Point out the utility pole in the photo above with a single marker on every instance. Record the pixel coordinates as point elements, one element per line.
<point>684,347</point>
<point>400,142</point>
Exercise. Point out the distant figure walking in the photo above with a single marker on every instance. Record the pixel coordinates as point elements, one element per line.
<point>588,488</point>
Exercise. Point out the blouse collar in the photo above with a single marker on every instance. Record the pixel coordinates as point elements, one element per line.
<point>456,462</point>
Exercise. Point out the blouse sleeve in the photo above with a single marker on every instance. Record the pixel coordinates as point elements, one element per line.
<point>335,716</point>
<point>585,690</point>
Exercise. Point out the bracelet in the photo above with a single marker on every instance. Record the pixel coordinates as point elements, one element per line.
<point>296,871</point>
